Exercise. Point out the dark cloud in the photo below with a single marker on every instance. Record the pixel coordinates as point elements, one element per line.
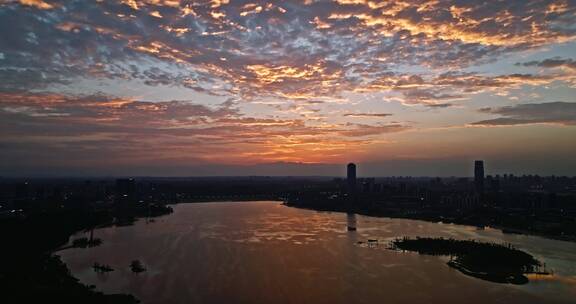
<point>552,63</point>
<point>361,130</point>
<point>472,82</point>
<point>367,114</point>
<point>440,91</point>
<point>563,113</point>
<point>440,105</point>
<point>430,97</point>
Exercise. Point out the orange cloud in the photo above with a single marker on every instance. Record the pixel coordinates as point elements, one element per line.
<point>37,4</point>
<point>177,129</point>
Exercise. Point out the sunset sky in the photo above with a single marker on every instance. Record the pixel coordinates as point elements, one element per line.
<point>223,87</point>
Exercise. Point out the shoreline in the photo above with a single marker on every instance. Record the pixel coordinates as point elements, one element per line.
<point>32,271</point>
<point>392,215</point>
<point>51,255</point>
<point>503,229</point>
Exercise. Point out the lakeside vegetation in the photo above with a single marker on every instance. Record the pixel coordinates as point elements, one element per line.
<point>501,263</point>
<point>102,268</point>
<point>85,242</point>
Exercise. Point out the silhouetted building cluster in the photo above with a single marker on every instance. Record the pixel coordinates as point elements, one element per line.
<point>543,203</point>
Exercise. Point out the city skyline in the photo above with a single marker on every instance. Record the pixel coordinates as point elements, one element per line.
<point>174,88</point>
<point>473,170</point>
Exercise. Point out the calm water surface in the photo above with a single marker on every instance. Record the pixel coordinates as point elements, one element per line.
<point>265,252</point>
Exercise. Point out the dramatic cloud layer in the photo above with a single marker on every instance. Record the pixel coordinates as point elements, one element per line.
<point>563,113</point>
<point>139,130</point>
<point>291,49</point>
<point>222,81</point>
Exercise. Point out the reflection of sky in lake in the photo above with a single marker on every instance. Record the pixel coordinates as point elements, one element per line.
<point>260,252</point>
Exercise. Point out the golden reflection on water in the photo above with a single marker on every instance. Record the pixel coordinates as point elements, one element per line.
<point>569,280</point>
<point>264,252</point>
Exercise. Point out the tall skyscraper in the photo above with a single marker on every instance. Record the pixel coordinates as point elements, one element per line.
<point>479,175</point>
<point>351,176</point>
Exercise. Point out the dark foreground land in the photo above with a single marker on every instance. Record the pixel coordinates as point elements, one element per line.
<point>30,272</point>
<point>487,261</point>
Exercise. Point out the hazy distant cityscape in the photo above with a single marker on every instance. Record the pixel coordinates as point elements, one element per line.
<point>528,203</point>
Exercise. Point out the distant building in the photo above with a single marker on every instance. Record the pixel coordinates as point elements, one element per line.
<point>368,184</point>
<point>462,202</point>
<point>125,191</point>
<point>479,175</point>
<point>351,176</point>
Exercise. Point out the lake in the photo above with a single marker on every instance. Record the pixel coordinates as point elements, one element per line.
<point>265,252</point>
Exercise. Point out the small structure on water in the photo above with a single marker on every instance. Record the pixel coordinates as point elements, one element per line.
<point>102,268</point>
<point>351,222</point>
<point>137,267</point>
